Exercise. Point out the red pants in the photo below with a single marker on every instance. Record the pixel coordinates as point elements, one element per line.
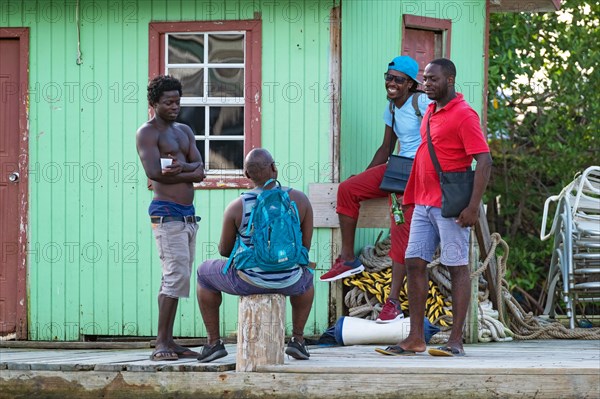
<point>366,186</point>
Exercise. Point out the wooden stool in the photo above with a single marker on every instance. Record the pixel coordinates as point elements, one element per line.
<point>261,331</point>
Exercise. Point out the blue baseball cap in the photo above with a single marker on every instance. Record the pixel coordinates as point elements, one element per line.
<point>406,65</point>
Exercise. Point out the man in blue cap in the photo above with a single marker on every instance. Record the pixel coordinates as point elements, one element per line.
<point>402,117</point>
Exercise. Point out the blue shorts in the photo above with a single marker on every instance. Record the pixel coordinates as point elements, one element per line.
<point>428,229</point>
<point>210,276</point>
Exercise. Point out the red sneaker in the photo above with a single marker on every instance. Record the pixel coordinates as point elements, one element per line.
<point>391,312</point>
<point>341,269</point>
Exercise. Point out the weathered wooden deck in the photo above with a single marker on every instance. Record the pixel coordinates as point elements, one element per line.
<point>519,369</point>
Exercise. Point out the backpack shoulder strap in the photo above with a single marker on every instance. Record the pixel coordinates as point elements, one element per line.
<point>251,218</point>
<point>285,194</point>
<point>289,201</point>
<point>238,237</point>
<point>246,197</point>
<point>277,184</point>
<point>238,240</point>
<point>394,137</point>
<point>415,104</point>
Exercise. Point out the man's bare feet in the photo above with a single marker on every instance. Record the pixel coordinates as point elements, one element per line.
<point>413,344</point>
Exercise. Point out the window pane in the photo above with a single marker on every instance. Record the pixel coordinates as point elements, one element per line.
<point>226,48</point>
<point>226,154</point>
<point>226,82</point>
<point>226,121</point>
<point>194,118</point>
<point>192,80</point>
<point>186,49</point>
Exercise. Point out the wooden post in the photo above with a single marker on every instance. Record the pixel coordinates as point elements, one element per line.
<point>482,231</point>
<point>261,331</point>
<point>471,331</point>
<point>337,307</point>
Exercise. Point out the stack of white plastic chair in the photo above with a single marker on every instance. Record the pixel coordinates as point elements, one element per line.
<point>575,264</point>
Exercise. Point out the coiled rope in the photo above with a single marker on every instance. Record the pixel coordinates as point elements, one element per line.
<point>371,289</point>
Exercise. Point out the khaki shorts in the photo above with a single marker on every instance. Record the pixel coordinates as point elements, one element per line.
<point>176,242</point>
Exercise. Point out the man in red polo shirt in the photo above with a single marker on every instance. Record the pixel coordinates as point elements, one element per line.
<point>457,138</point>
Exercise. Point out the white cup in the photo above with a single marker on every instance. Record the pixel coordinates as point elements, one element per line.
<point>164,162</point>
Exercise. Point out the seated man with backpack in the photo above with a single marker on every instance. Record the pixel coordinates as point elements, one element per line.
<point>266,236</point>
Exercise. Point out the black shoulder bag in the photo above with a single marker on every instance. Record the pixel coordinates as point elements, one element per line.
<point>457,187</point>
<point>398,168</point>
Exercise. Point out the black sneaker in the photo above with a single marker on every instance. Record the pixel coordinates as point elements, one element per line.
<point>210,353</point>
<point>297,350</point>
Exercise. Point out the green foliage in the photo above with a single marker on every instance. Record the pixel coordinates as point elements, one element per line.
<point>526,273</point>
<point>543,120</point>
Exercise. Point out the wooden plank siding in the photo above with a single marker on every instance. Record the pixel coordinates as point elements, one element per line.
<point>93,265</point>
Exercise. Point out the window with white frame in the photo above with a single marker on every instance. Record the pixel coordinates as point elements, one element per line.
<point>220,73</point>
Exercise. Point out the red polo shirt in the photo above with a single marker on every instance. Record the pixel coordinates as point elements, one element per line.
<point>456,136</point>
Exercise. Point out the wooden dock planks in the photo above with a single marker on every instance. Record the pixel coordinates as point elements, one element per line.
<point>541,369</point>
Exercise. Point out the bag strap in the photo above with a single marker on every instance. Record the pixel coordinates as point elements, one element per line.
<point>232,254</point>
<point>277,184</point>
<point>415,104</point>
<point>394,138</point>
<point>434,158</point>
<point>419,115</point>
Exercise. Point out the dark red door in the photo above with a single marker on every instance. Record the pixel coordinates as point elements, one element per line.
<point>420,45</point>
<point>12,283</point>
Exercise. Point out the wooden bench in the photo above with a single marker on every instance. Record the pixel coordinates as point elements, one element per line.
<point>261,331</point>
<point>374,213</point>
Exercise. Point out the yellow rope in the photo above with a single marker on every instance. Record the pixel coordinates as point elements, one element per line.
<point>377,285</point>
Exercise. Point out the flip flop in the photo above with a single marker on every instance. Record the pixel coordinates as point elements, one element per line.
<point>162,355</point>
<point>186,353</point>
<point>446,351</point>
<point>395,350</point>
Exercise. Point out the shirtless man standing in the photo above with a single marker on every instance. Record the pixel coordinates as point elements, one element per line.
<point>172,212</point>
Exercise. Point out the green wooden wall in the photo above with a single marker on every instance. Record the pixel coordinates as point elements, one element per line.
<point>371,37</point>
<point>92,265</point>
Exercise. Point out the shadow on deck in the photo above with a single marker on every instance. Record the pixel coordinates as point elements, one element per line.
<point>518,369</point>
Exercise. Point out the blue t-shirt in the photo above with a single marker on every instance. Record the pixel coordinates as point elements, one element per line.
<point>407,125</point>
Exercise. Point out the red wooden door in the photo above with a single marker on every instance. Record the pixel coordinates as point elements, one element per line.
<point>11,248</point>
<point>423,45</point>
<point>420,45</point>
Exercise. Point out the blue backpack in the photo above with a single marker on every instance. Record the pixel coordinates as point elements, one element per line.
<point>275,234</point>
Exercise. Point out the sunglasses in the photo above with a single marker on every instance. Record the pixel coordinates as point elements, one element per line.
<point>398,79</point>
